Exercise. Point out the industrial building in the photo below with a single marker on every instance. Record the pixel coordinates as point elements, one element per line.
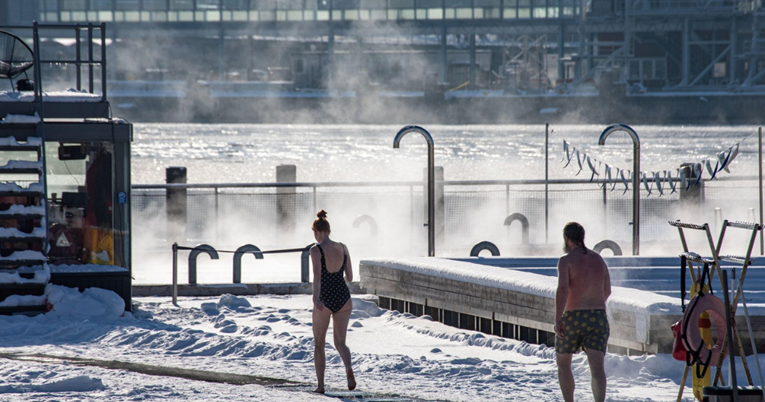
<point>640,51</point>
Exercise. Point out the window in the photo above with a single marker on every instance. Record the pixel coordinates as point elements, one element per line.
<point>298,66</point>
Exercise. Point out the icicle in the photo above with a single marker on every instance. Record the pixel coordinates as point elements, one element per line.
<point>733,156</point>
<point>624,181</point>
<point>594,171</point>
<point>606,175</point>
<point>657,179</point>
<point>712,172</point>
<point>566,153</point>
<point>645,183</point>
<point>671,181</point>
<point>684,180</point>
<point>698,169</point>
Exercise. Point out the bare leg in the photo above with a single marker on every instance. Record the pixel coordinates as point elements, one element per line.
<point>565,376</point>
<point>339,331</point>
<point>596,360</point>
<point>320,325</point>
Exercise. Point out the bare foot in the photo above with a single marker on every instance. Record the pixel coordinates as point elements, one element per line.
<point>319,390</point>
<point>351,380</point>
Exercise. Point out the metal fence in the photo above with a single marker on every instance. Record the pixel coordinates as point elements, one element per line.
<point>473,211</point>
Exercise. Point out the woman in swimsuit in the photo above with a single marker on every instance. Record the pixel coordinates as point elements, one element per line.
<point>331,298</point>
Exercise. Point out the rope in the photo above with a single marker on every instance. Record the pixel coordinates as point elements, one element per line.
<point>287,250</point>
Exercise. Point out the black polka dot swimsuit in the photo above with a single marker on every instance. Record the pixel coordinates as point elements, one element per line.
<point>334,292</point>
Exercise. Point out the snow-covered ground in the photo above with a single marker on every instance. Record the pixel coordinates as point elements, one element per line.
<point>270,336</point>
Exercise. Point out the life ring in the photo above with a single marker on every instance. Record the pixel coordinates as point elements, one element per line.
<point>689,330</point>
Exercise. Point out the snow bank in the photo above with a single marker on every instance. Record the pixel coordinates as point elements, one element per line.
<point>93,302</point>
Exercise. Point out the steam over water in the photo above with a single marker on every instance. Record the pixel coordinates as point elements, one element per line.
<point>233,153</point>
<point>222,153</point>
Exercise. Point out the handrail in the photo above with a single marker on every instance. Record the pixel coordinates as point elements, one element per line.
<point>399,183</point>
<point>90,61</point>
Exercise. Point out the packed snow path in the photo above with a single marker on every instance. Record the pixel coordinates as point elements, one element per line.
<point>270,336</point>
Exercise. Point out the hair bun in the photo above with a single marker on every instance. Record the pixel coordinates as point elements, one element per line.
<point>322,214</point>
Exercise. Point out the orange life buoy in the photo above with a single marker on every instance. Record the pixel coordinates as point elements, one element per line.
<point>689,329</point>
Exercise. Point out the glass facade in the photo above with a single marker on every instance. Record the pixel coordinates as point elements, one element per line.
<point>172,11</point>
<point>87,203</point>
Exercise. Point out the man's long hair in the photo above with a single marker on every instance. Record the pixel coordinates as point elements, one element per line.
<point>575,232</point>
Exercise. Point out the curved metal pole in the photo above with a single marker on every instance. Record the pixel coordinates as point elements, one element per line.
<point>635,178</point>
<point>238,254</point>
<point>431,182</point>
<point>200,249</point>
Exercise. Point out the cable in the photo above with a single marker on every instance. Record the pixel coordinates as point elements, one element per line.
<point>287,250</point>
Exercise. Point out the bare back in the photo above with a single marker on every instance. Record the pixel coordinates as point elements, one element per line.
<point>587,278</point>
<point>334,253</point>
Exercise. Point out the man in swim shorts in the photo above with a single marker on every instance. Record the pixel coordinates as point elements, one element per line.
<point>580,312</point>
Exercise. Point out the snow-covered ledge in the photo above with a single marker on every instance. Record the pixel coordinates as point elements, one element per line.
<point>639,319</point>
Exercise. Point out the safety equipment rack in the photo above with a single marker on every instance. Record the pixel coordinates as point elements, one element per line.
<point>714,263</point>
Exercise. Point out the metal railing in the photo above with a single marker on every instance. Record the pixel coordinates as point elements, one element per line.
<point>90,61</point>
<point>470,206</point>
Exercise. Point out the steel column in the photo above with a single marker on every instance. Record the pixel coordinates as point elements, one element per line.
<point>686,52</point>
<point>472,60</point>
<point>443,61</point>
<point>732,54</point>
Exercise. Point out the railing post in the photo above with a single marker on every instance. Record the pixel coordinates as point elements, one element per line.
<point>176,203</point>
<point>78,57</point>
<point>103,61</point>
<point>90,57</point>
<point>285,199</point>
<point>305,268</point>
<point>175,274</point>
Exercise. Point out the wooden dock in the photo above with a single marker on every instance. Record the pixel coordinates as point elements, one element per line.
<point>520,305</point>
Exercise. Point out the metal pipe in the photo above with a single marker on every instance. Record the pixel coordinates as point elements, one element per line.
<point>635,178</point>
<point>175,274</point>
<point>728,315</point>
<point>78,58</point>
<point>90,58</point>
<point>762,240</point>
<point>103,62</point>
<point>751,338</point>
<point>547,183</point>
<point>431,181</point>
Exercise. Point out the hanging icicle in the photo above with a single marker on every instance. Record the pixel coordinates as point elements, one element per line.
<point>684,180</point>
<point>697,170</point>
<point>566,154</point>
<point>712,172</point>
<point>733,156</point>
<point>645,183</point>
<point>657,177</point>
<point>592,168</point>
<point>671,182</point>
<point>606,175</point>
<point>624,181</point>
<point>613,174</point>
